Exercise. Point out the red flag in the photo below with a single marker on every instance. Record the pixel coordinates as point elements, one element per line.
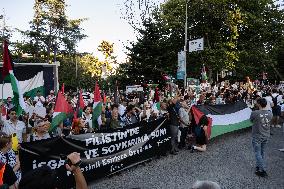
<point>62,110</point>
<point>81,100</point>
<point>197,114</point>
<point>156,95</point>
<point>4,111</point>
<point>7,61</point>
<point>97,95</point>
<point>80,106</point>
<point>62,88</point>
<point>62,105</point>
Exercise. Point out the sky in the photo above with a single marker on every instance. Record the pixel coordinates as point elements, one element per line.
<point>104,22</point>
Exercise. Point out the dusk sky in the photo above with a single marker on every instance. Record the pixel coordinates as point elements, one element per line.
<point>104,21</point>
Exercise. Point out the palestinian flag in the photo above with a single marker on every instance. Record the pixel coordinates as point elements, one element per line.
<point>62,110</point>
<point>156,106</point>
<point>225,117</point>
<point>97,108</point>
<point>166,77</point>
<point>80,105</point>
<point>156,100</point>
<point>8,75</point>
<point>31,80</point>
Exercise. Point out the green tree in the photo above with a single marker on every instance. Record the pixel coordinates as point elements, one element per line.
<point>51,31</point>
<point>241,36</point>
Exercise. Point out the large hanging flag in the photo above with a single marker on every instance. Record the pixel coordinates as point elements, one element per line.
<point>30,80</point>
<point>97,108</point>
<point>61,111</point>
<point>203,73</point>
<point>225,118</point>
<point>8,75</point>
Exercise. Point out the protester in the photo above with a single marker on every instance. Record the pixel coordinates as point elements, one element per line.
<point>269,101</point>
<point>174,124</point>
<point>8,156</point>
<point>78,126</point>
<point>87,116</point>
<point>51,98</point>
<point>132,115</point>
<point>49,114</point>
<point>184,123</point>
<point>46,178</point>
<point>260,135</point>
<point>163,108</point>
<point>9,104</point>
<point>113,122</point>
<point>13,125</point>
<point>41,131</point>
<point>276,109</point>
<point>39,100</point>
<point>146,113</point>
<point>201,135</point>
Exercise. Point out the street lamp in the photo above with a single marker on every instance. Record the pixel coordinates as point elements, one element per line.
<point>185,43</point>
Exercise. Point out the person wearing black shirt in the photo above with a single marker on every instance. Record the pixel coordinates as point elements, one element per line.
<point>174,123</point>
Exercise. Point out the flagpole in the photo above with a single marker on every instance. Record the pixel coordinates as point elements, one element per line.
<point>185,43</point>
<point>3,32</point>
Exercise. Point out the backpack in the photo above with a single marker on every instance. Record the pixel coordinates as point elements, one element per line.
<point>274,100</point>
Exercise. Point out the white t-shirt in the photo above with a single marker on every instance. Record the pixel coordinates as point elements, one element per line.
<point>87,119</point>
<point>39,101</point>
<point>9,128</point>
<point>279,98</point>
<point>269,103</point>
<point>183,114</point>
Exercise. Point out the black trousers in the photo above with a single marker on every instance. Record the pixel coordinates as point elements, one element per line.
<point>184,131</point>
<point>174,138</point>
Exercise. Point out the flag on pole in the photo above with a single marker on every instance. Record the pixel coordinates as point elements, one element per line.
<point>63,88</point>
<point>80,105</point>
<point>61,111</point>
<point>166,77</point>
<point>203,73</point>
<point>8,75</point>
<point>156,101</point>
<point>97,108</point>
<point>116,93</point>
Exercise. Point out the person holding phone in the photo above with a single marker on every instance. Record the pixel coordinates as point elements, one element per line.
<point>45,176</point>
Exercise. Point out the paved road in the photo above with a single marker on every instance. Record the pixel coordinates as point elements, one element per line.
<point>229,161</point>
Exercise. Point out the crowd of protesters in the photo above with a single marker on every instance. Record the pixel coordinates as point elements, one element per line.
<point>117,113</point>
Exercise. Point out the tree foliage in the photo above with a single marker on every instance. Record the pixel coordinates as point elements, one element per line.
<point>241,36</point>
<point>51,31</point>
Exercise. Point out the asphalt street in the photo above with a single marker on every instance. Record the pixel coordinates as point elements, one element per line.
<point>228,161</point>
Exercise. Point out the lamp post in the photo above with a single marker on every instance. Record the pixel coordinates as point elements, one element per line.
<point>185,43</point>
<point>3,35</point>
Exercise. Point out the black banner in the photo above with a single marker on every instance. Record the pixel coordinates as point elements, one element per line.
<point>102,154</point>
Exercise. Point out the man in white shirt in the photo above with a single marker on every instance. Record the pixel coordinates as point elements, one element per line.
<point>13,125</point>
<point>269,104</point>
<point>51,98</point>
<point>184,123</point>
<point>38,99</point>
